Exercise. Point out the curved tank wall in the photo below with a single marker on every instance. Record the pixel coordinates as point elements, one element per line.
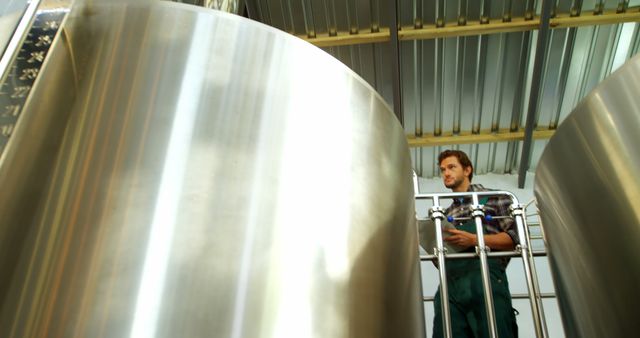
<point>182,172</point>
<point>587,190</point>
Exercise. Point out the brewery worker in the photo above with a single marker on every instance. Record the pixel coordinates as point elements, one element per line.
<point>466,295</point>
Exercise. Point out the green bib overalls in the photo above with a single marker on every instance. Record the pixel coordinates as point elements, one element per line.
<point>466,298</point>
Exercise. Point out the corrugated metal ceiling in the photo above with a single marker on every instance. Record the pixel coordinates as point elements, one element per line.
<point>461,74</point>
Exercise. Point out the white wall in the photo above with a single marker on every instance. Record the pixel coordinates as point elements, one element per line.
<point>515,270</point>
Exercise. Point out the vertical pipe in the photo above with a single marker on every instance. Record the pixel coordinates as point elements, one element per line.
<point>252,10</point>
<point>460,65</point>
<point>478,215</point>
<point>417,85</point>
<point>576,8</point>
<point>506,14</point>
<point>459,78</point>
<point>440,13</point>
<point>394,48</point>
<point>599,7</point>
<point>437,214</point>
<point>417,66</point>
<point>541,47</point>
<point>330,17</point>
<point>529,11</point>
<point>438,88</point>
<point>462,12</point>
<point>375,16</point>
<point>481,57</point>
<point>417,14</point>
<point>635,42</point>
<point>352,17</point>
<point>292,22</point>
<point>485,11</point>
<point>561,84</point>
<point>375,27</point>
<point>612,47</point>
<point>497,98</point>
<point>534,277</point>
<point>517,109</point>
<point>309,24</point>
<point>586,65</point>
<point>502,65</point>
<point>266,13</point>
<point>623,5</point>
<point>529,268</point>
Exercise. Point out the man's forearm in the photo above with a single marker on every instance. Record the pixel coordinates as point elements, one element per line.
<point>500,241</point>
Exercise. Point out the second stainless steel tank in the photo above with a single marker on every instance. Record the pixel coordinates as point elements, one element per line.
<point>587,188</point>
<point>180,172</point>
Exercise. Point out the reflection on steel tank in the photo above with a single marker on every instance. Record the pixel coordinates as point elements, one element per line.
<point>184,172</point>
<point>587,188</point>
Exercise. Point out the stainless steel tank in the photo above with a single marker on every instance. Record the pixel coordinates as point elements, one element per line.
<point>182,172</point>
<point>588,194</point>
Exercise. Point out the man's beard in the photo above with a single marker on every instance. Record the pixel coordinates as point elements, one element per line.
<point>456,183</point>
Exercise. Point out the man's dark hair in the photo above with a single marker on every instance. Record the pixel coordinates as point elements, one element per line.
<point>461,156</point>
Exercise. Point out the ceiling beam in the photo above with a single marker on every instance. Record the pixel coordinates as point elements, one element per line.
<point>346,38</point>
<point>469,138</point>
<point>472,28</point>
<point>565,21</point>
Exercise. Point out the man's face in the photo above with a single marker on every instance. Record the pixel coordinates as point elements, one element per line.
<point>453,174</point>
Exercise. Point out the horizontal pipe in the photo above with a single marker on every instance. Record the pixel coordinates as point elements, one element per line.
<point>513,296</point>
<point>463,255</point>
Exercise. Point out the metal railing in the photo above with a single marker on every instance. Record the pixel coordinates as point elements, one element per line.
<point>522,250</point>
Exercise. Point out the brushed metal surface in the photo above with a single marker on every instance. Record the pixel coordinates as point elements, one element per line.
<point>182,172</point>
<point>587,189</point>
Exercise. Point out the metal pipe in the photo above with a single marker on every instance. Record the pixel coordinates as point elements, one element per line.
<point>610,50</point>
<point>375,16</point>
<point>513,296</point>
<point>459,77</point>
<point>440,13</point>
<point>534,273</point>
<point>517,108</point>
<point>485,11</point>
<point>438,88</point>
<point>394,50</point>
<point>497,98</point>
<point>229,6</point>
<point>635,42</point>
<point>586,65</point>
<point>417,85</point>
<point>506,14</point>
<point>491,254</point>
<point>462,12</point>
<point>481,57</point>
<point>309,24</point>
<point>352,17</point>
<point>538,65</point>
<point>576,8</point>
<point>437,214</point>
<point>517,212</point>
<point>478,214</point>
<point>565,64</point>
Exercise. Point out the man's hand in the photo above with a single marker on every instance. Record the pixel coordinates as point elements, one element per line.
<point>499,241</point>
<point>461,238</point>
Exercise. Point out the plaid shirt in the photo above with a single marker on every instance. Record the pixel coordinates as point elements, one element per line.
<point>495,206</point>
